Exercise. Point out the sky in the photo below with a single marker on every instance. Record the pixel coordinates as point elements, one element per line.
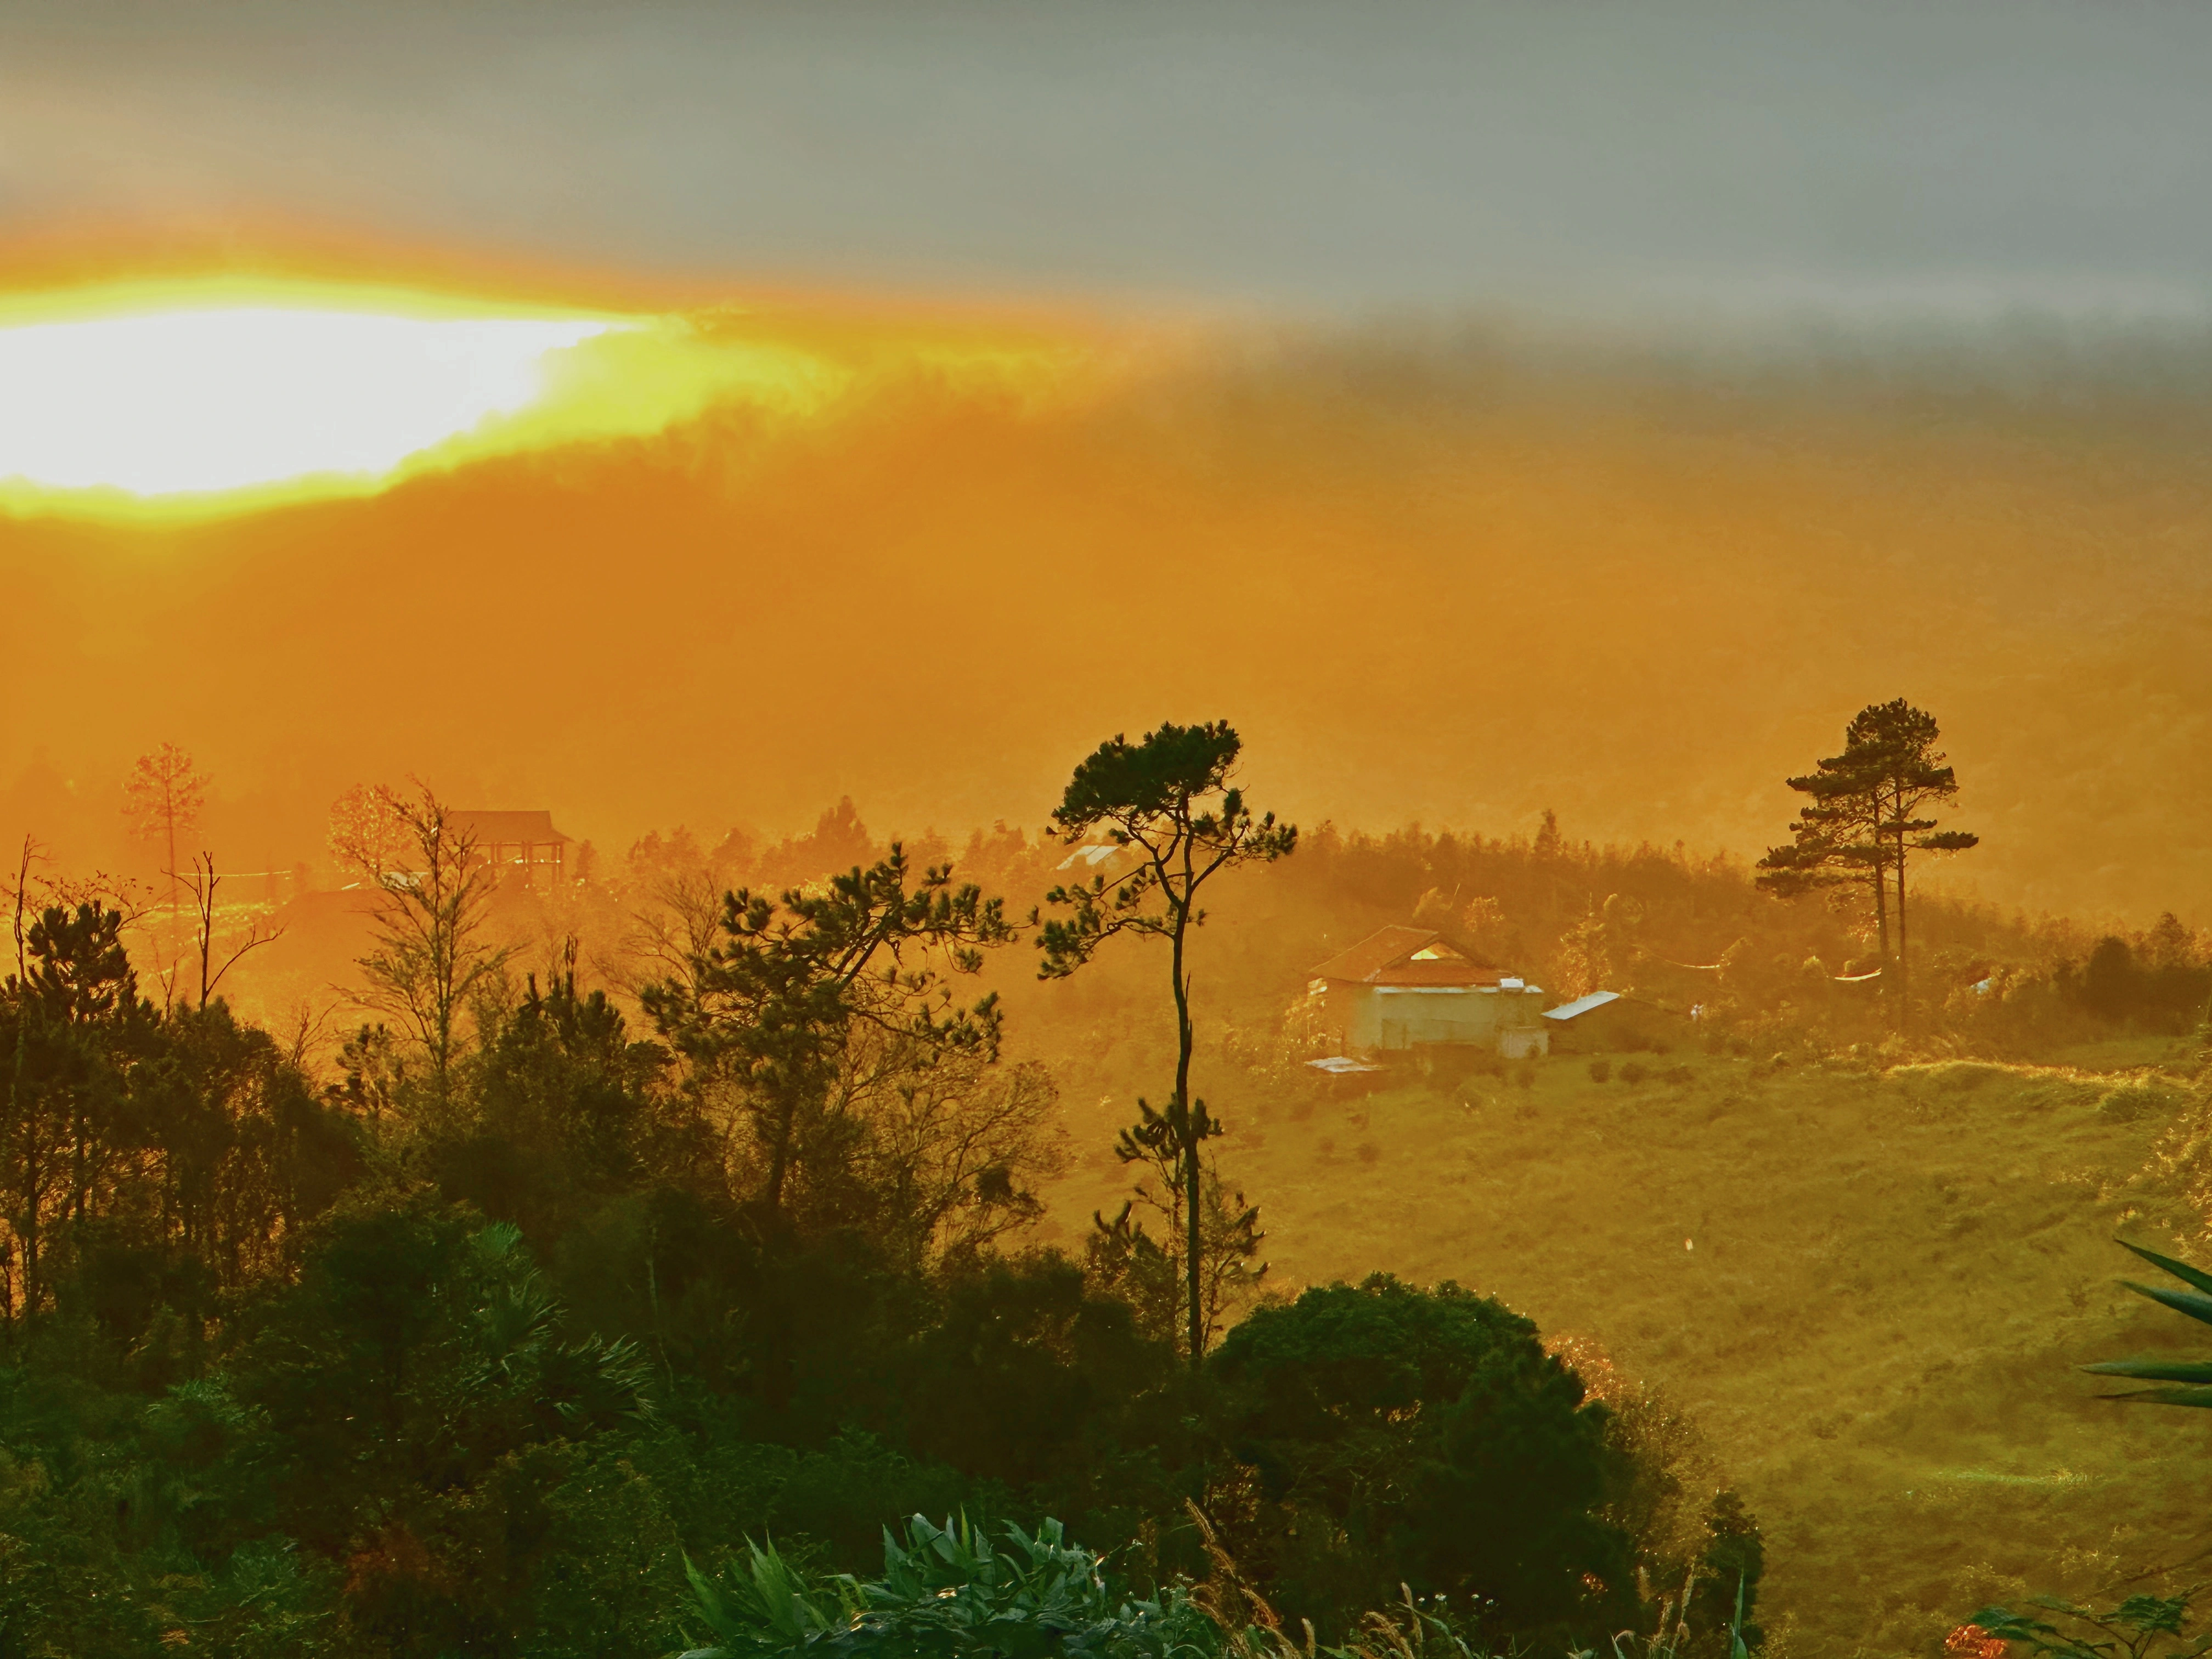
<point>1641,160</point>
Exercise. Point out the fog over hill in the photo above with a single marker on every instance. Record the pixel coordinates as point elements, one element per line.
<point>1456,573</point>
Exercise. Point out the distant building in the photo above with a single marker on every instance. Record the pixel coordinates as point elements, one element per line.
<point>1606,1021</point>
<point>1408,986</point>
<point>511,842</point>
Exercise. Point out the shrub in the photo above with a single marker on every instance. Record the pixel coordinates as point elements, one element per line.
<point>1634,1071</point>
<point>1600,1070</point>
<point>2131,1629</point>
<point>1403,1436</point>
<point>2140,1098</point>
<point>945,1593</point>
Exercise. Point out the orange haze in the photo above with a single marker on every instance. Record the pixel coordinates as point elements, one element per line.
<point>1459,578</point>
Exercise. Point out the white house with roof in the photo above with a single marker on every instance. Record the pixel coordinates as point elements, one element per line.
<point>1402,987</point>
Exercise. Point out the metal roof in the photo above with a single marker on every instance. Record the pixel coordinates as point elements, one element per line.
<point>1581,1005</point>
<point>1091,854</point>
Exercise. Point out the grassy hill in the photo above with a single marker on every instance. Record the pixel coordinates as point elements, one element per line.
<point>1867,1288</point>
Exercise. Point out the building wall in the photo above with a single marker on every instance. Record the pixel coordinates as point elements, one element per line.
<point>1618,1026</point>
<point>1386,1016</point>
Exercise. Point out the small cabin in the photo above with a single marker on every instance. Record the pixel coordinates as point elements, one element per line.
<point>1406,988</point>
<point>525,845</point>
<point>1607,1022</point>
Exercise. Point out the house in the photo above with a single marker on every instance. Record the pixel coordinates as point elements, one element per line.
<point>1407,986</point>
<point>519,843</point>
<point>1606,1021</point>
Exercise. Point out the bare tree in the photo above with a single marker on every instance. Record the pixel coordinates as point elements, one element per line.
<point>19,901</point>
<point>430,957</point>
<point>369,831</point>
<point>204,880</point>
<point>950,1147</point>
<point>673,932</point>
<point>162,800</point>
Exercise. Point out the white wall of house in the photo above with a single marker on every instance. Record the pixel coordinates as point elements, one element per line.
<point>1400,1016</point>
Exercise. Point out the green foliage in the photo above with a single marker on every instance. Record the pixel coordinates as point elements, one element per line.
<point>563,1114</point>
<point>773,1007</point>
<point>1030,1377</point>
<point>2139,1628</point>
<point>1152,797</point>
<point>286,1374</point>
<point>946,1591</point>
<point>1425,1437</point>
<point>1726,1587</point>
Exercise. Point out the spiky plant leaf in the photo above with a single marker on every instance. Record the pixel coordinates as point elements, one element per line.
<point>2153,1370</point>
<point>2194,1277</point>
<point>2172,1396</point>
<point>2196,1306</point>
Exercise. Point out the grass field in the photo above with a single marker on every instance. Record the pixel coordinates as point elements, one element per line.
<point>1868,1289</point>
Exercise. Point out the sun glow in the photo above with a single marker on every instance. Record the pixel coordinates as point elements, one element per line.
<point>185,399</point>
<point>227,398</point>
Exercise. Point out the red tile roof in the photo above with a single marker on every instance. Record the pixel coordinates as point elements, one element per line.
<point>1407,956</point>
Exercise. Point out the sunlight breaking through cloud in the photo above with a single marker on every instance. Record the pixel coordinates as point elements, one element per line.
<point>220,399</point>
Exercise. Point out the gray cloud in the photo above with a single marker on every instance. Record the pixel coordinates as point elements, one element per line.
<point>1983,155</point>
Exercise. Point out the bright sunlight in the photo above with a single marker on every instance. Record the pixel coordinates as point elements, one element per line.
<point>198,401</point>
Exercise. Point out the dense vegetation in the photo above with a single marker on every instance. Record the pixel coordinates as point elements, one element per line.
<point>521,1320</point>
<point>471,1345</point>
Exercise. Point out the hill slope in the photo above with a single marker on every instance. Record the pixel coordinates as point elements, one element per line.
<point>1867,1288</point>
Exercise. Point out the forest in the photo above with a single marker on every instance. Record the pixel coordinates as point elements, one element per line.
<point>716,1252</point>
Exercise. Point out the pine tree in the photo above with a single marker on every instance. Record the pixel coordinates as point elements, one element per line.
<point>1867,817</point>
<point>1910,775</point>
<point>1168,800</point>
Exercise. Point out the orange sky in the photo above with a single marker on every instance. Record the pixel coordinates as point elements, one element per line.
<point>1461,578</point>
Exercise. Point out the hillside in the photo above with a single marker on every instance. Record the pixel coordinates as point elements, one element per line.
<point>1460,582</point>
<point>1865,1288</point>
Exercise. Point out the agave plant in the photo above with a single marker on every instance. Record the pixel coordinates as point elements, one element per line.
<point>945,1593</point>
<point>2186,1383</point>
<point>760,1604</point>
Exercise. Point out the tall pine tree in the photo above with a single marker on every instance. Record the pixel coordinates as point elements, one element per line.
<point>1869,813</point>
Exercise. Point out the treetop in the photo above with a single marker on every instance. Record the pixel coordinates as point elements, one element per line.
<point>1172,766</point>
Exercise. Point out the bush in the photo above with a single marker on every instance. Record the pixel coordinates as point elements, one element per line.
<point>1600,1070</point>
<point>1634,1071</point>
<point>1425,1438</point>
<point>2131,1629</point>
<point>2140,1098</point>
<point>946,1593</point>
